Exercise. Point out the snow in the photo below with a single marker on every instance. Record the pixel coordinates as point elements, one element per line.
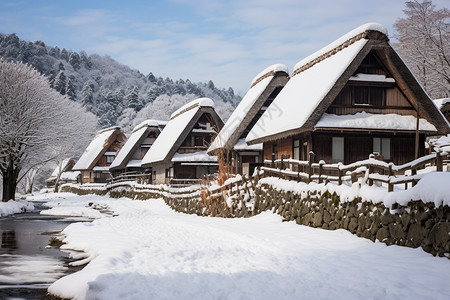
<point>14,207</point>
<point>172,131</point>
<point>199,156</point>
<point>303,93</point>
<point>372,78</point>
<point>132,140</point>
<point>149,251</point>
<point>341,40</point>
<point>273,68</point>
<point>433,187</point>
<point>239,114</point>
<point>242,145</point>
<point>200,102</point>
<point>94,149</point>
<point>441,102</point>
<point>365,120</point>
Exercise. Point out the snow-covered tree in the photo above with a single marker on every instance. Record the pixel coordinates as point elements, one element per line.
<point>423,42</point>
<point>33,118</point>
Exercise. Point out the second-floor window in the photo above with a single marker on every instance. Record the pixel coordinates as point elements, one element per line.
<point>369,95</point>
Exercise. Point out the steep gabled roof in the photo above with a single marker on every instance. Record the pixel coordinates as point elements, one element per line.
<point>318,79</point>
<point>138,135</point>
<point>181,123</point>
<point>98,146</point>
<point>261,89</point>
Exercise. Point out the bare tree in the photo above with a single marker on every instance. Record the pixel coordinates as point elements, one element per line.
<point>34,118</point>
<point>423,41</point>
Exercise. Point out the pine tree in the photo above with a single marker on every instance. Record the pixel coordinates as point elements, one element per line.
<point>60,83</point>
<point>74,60</point>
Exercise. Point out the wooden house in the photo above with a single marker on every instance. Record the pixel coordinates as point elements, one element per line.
<point>444,106</point>
<point>65,172</point>
<point>95,161</point>
<point>128,160</point>
<point>178,155</point>
<point>350,99</point>
<point>243,158</point>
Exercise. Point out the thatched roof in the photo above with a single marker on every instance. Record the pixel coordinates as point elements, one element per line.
<point>318,79</point>
<point>98,146</point>
<point>181,123</point>
<point>261,89</point>
<point>134,142</point>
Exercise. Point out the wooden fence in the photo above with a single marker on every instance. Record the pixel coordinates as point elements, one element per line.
<point>371,170</point>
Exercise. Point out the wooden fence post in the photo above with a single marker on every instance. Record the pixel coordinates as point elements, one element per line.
<point>310,162</point>
<point>320,172</point>
<point>439,161</point>
<point>340,176</point>
<point>370,172</point>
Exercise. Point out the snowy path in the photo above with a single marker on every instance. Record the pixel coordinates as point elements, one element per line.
<point>151,252</point>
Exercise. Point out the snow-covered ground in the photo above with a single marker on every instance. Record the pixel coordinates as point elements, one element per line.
<point>15,207</point>
<point>149,251</point>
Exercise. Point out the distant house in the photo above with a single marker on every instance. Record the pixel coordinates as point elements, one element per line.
<point>138,143</point>
<point>95,161</point>
<point>350,99</point>
<point>444,105</point>
<point>65,172</point>
<point>265,87</point>
<point>179,152</point>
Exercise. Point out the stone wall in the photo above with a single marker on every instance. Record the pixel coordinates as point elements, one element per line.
<point>416,225</point>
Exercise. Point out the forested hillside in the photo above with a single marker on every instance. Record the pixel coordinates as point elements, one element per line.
<point>113,92</point>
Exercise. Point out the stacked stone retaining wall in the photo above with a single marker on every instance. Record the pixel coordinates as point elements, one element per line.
<point>417,224</point>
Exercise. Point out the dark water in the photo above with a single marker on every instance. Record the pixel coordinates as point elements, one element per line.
<point>28,264</point>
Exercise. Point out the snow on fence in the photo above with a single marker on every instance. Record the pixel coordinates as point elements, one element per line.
<point>370,170</point>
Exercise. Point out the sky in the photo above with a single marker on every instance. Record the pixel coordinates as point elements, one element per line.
<point>228,42</point>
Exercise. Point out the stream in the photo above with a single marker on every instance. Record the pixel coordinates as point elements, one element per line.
<point>28,264</point>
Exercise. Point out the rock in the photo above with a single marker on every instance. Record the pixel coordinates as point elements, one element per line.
<point>373,229</point>
<point>396,230</point>
<point>386,219</point>
<point>382,234</point>
<point>307,219</point>
<point>352,225</point>
<point>317,222</point>
<point>429,223</point>
<point>333,225</point>
<point>326,217</point>
<point>415,235</point>
<point>439,235</point>
<point>405,220</point>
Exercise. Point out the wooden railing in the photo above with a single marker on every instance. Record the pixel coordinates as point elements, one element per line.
<point>370,169</point>
<point>132,176</point>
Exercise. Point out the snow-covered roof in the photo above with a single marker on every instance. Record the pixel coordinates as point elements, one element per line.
<point>372,78</point>
<point>135,137</point>
<point>247,103</point>
<point>242,145</point>
<point>365,120</point>
<point>200,156</point>
<point>304,92</point>
<point>173,130</point>
<point>63,166</point>
<point>95,149</point>
<point>340,41</point>
<point>441,102</point>
<point>200,102</point>
<point>270,71</point>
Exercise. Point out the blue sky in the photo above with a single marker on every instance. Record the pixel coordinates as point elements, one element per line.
<point>228,42</point>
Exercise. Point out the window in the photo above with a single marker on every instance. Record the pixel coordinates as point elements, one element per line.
<point>382,146</point>
<point>337,150</point>
<point>296,150</point>
<point>369,95</point>
<point>274,152</point>
<point>109,159</point>
<point>198,141</point>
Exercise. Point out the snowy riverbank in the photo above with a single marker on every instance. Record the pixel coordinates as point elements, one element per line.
<point>15,207</point>
<point>151,252</point>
